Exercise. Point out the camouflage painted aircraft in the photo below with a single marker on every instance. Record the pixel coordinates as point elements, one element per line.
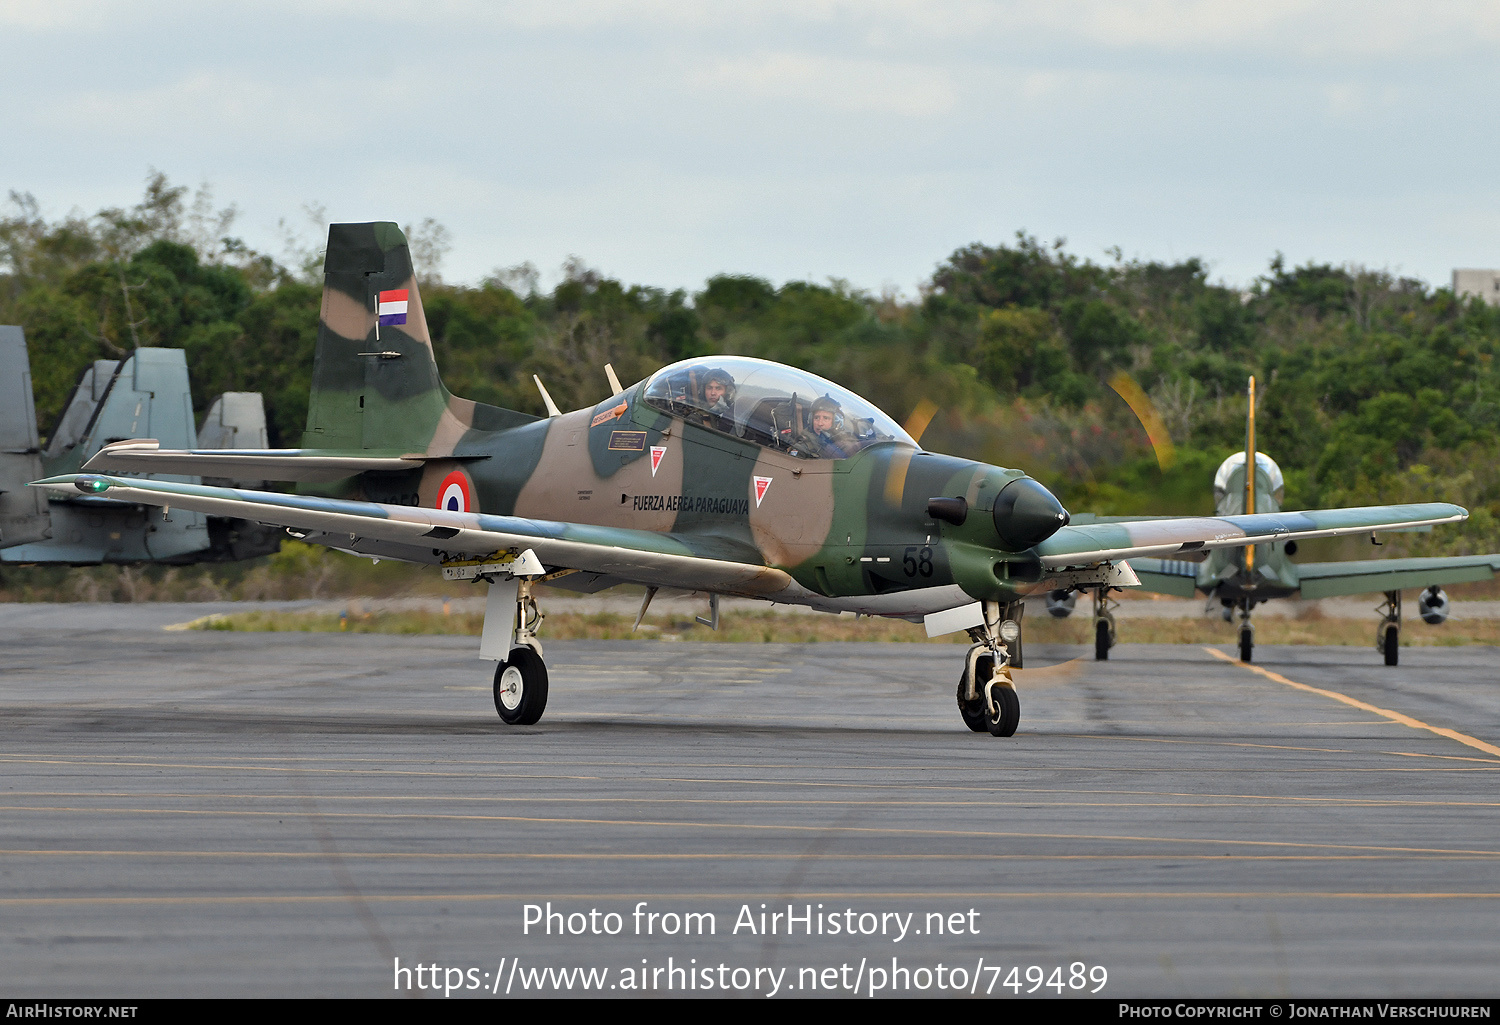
<point>145,393</point>
<point>727,476</point>
<point>1241,578</point>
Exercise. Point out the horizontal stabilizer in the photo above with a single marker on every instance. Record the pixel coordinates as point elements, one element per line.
<point>1167,576</point>
<point>1366,576</point>
<point>289,464</point>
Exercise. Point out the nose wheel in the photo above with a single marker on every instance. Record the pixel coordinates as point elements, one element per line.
<point>1003,714</point>
<point>972,710</point>
<point>1247,632</point>
<point>987,700</point>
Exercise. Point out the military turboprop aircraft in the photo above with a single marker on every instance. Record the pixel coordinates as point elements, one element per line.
<point>1241,578</point>
<point>147,393</point>
<point>727,476</point>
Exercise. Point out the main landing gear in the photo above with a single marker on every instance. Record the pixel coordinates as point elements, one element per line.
<point>521,687</point>
<point>1388,634</point>
<point>511,619</point>
<point>1104,622</point>
<point>987,698</point>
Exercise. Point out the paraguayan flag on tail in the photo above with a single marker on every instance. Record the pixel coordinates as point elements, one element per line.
<point>392,307</point>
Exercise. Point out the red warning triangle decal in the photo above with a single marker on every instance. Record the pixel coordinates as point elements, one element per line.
<point>657,451</point>
<point>761,483</point>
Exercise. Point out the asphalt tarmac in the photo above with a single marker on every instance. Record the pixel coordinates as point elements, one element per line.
<point>226,814</point>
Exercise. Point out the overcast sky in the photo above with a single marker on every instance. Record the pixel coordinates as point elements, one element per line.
<point>666,142</point>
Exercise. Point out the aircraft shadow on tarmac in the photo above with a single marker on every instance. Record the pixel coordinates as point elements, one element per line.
<point>153,723</point>
<point>591,728</point>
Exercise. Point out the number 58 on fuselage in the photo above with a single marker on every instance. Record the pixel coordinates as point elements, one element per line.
<point>727,475</point>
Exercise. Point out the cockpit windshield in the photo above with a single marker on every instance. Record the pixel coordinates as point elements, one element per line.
<point>773,405</point>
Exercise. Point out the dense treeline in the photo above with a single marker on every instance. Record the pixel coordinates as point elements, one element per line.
<point>1373,388</point>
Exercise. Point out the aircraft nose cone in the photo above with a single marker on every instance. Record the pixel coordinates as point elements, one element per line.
<point>1026,514</point>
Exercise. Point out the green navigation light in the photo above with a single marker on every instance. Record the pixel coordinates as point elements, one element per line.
<point>91,485</point>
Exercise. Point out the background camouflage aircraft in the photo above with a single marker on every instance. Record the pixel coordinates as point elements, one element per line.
<point>145,394</point>
<point>1241,578</point>
<point>742,491</point>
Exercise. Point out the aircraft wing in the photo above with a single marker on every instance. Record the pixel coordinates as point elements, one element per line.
<point>1331,579</point>
<point>1167,576</point>
<point>430,535</point>
<point>1181,536</point>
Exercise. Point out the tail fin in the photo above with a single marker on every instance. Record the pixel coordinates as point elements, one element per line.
<point>1250,451</point>
<point>1250,469</point>
<point>23,511</point>
<point>235,419</point>
<point>375,381</point>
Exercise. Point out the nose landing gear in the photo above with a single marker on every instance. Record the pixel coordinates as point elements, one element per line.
<point>987,698</point>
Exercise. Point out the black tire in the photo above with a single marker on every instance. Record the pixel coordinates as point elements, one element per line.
<point>521,687</point>
<point>1101,640</point>
<point>1008,713</point>
<point>974,714</point>
<point>1391,645</point>
<point>1247,644</point>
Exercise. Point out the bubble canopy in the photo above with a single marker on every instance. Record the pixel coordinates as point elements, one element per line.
<point>773,405</point>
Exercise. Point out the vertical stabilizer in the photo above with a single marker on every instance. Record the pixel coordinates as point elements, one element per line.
<point>375,385</point>
<point>236,419</point>
<point>1250,469</point>
<point>375,382</point>
<point>23,511</point>
<point>146,395</point>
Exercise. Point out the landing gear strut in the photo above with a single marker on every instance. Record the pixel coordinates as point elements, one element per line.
<point>1104,622</point>
<point>511,620</point>
<point>986,694</point>
<point>1388,634</point>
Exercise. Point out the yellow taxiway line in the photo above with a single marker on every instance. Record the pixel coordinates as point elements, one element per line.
<point>1397,717</point>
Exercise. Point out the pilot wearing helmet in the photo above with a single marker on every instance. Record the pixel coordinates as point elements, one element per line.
<point>828,436</point>
<point>717,398</point>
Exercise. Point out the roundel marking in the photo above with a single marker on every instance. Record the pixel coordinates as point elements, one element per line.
<point>456,493</point>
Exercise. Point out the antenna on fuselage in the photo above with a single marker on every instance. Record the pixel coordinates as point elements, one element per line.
<point>1250,473</point>
<point>614,382</point>
<point>552,409</point>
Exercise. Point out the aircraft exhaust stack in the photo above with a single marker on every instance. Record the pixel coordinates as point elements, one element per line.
<point>949,510</point>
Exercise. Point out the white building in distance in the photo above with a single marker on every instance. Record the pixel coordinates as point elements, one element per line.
<point>1482,284</point>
